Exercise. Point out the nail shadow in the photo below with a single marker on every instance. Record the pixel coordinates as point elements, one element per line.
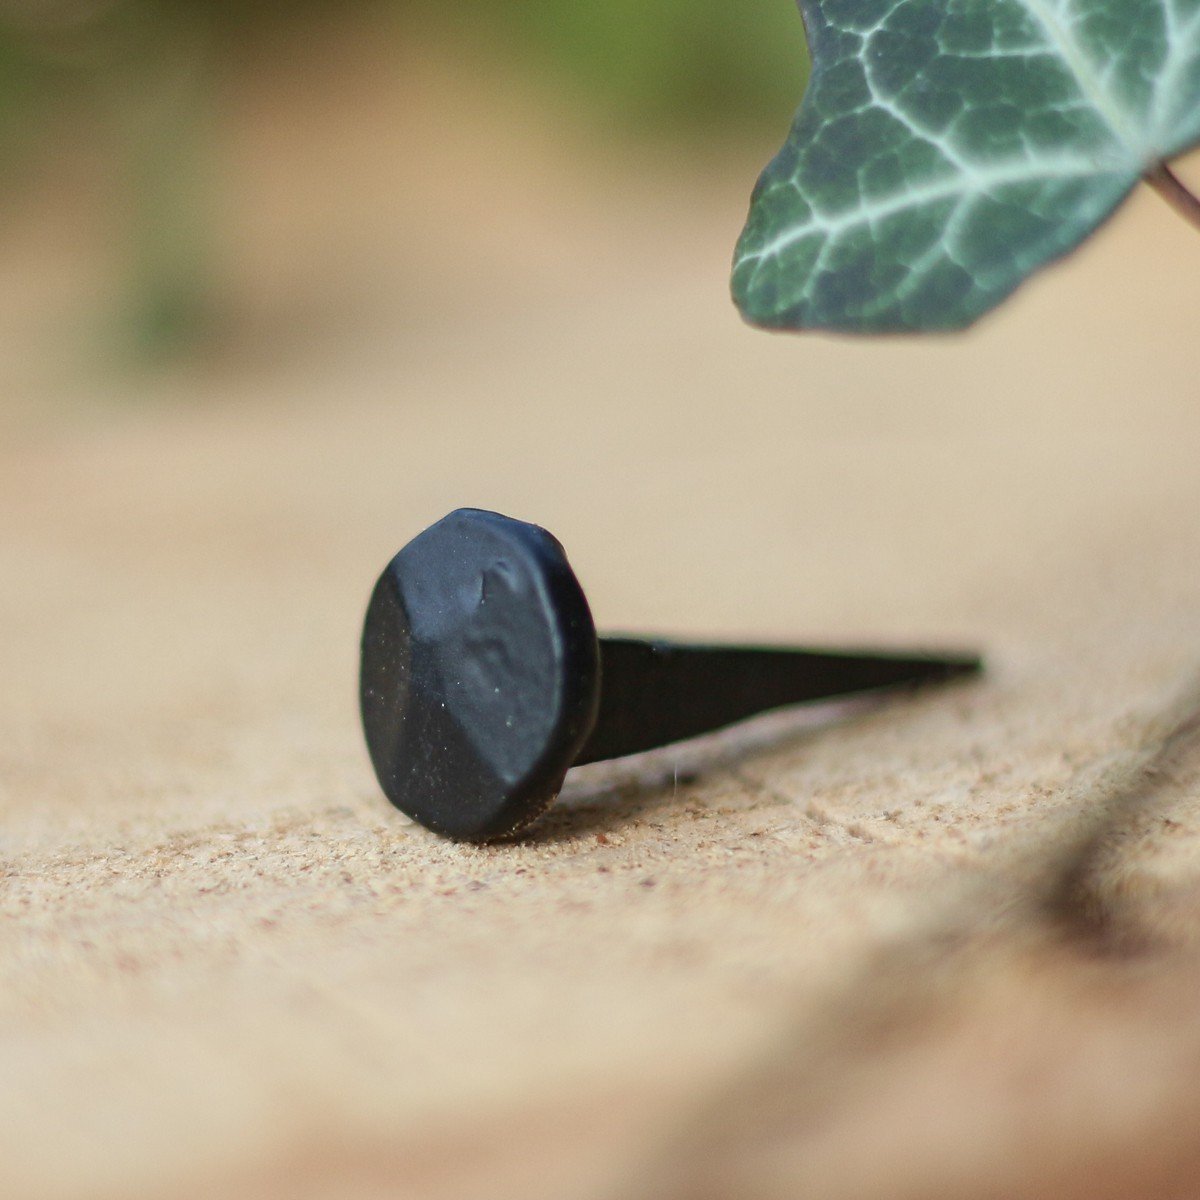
<point>603,796</point>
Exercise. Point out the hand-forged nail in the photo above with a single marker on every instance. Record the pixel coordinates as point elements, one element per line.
<point>483,680</point>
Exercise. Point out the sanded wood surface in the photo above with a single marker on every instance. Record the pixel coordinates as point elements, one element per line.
<point>944,948</point>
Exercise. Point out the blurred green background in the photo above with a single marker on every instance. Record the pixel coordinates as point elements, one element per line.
<point>119,99</point>
<point>654,65</point>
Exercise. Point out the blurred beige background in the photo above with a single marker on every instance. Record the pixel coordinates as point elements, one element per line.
<point>946,948</point>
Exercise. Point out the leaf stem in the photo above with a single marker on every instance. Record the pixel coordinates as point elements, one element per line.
<point>1173,190</point>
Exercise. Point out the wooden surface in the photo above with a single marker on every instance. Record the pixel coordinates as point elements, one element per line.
<point>947,948</point>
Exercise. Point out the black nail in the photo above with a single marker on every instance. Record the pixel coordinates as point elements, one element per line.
<point>482,678</point>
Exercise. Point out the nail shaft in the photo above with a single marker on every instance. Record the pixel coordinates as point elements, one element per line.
<point>653,693</point>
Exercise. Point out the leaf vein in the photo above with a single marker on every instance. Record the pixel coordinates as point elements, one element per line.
<point>979,183</point>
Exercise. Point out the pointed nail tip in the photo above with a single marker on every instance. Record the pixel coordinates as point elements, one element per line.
<point>957,667</point>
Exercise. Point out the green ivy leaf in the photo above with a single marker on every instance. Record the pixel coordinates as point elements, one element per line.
<point>947,148</point>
